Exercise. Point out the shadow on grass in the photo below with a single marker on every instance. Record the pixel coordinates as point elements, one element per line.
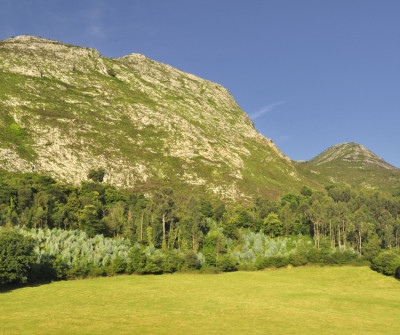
<point>11,287</point>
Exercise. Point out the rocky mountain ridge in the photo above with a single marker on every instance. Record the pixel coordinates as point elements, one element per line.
<point>67,109</point>
<point>352,153</point>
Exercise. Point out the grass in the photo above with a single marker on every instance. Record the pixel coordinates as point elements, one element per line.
<point>329,300</point>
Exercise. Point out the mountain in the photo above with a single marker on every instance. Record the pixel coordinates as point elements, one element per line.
<point>353,164</point>
<point>66,110</point>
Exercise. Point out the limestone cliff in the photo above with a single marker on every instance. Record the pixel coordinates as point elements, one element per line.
<point>66,109</point>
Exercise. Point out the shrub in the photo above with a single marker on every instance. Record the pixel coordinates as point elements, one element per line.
<point>153,265</point>
<point>118,265</point>
<point>397,274</point>
<point>79,271</point>
<point>172,262</point>
<point>227,263</point>
<point>343,257</point>
<point>190,260</point>
<point>97,271</point>
<point>387,262</point>
<point>97,175</point>
<point>297,259</point>
<point>138,260</point>
<point>279,261</point>
<point>16,257</point>
<point>314,256</point>
<point>260,263</point>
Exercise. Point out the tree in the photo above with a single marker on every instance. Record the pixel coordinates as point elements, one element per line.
<point>306,191</point>
<point>89,220</point>
<point>192,226</point>
<point>16,257</point>
<point>116,218</point>
<point>373,246</point>
<point>272,225</point>
<point>97,175</point>
<point>316,215</point>
<point>164,206</point>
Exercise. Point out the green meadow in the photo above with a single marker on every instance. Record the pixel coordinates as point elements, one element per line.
<point>307,300</point>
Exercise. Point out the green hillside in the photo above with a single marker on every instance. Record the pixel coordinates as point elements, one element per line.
<point>67,109</point>
<point>351,164</point>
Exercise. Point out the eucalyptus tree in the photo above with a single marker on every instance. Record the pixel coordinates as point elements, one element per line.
<point>164,206</point>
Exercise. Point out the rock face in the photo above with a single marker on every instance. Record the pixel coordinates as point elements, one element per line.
<point>66,110</point>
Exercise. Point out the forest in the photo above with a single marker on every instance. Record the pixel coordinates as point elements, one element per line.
<point>96,229</point>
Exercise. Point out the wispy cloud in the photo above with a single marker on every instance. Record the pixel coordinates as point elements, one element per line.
<point>267,108</point>
<point>93,17</point>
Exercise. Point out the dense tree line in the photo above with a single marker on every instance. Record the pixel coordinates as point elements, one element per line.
<point>337,219</point>
<point>61,254</point>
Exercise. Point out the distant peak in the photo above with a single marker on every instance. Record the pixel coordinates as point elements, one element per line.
<point>352,153</point>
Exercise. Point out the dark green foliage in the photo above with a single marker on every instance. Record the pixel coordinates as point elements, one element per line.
<point>78,272</point>
<point>48,270</point>
<point>154,265</point>
<point>138,260</point>
<point>306,191</point>
<point>190,260</point>
<point>118,265</point>
<point>206,208</point>
<point>172,262</point>
<point>343,257</point>
<point>387,262</point>
<point>111,72</point>
<point>219,212</point>
<point>397,274</point>
<point>199,233</point>
<point>227,263</point>
<point>277,261</point>
<point>372,246</point>
<point>297,259</point>
<point>97,175</point>
<point>314,256</point>
<point>16,257</point>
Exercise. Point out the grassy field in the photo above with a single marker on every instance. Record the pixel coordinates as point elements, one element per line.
<point>309,300</point>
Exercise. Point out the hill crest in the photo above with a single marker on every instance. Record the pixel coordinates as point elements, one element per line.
<point>68,109</point>
<point>353,153</point>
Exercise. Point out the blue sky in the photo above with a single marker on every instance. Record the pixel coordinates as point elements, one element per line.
<point>310,73</point>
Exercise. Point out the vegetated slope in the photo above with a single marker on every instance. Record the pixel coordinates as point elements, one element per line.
<point>66,110</point>
<point>353,164</point>
<point>304,300</point>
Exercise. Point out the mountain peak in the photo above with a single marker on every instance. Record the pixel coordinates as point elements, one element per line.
<point>70,110</point>
<point>353,153</point>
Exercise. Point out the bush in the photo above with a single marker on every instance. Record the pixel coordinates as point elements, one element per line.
<point>153,265</point>
<point>172,262</point>
<point>190,260</point>
<point>97,175</point>
<point>97,271</point>
<point>297,259</point>
<point>138,260</point>
<point>279,261</point>
<point>314,256</point>
<point>387,262</point>
<point>343,257</point>
<point>79,271</point>
<point>227,263</point>
<point>118,265</point>
<point>260,263</point>
<point>52,269</point>
<point>397,274</point>
<point>16,257</point>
